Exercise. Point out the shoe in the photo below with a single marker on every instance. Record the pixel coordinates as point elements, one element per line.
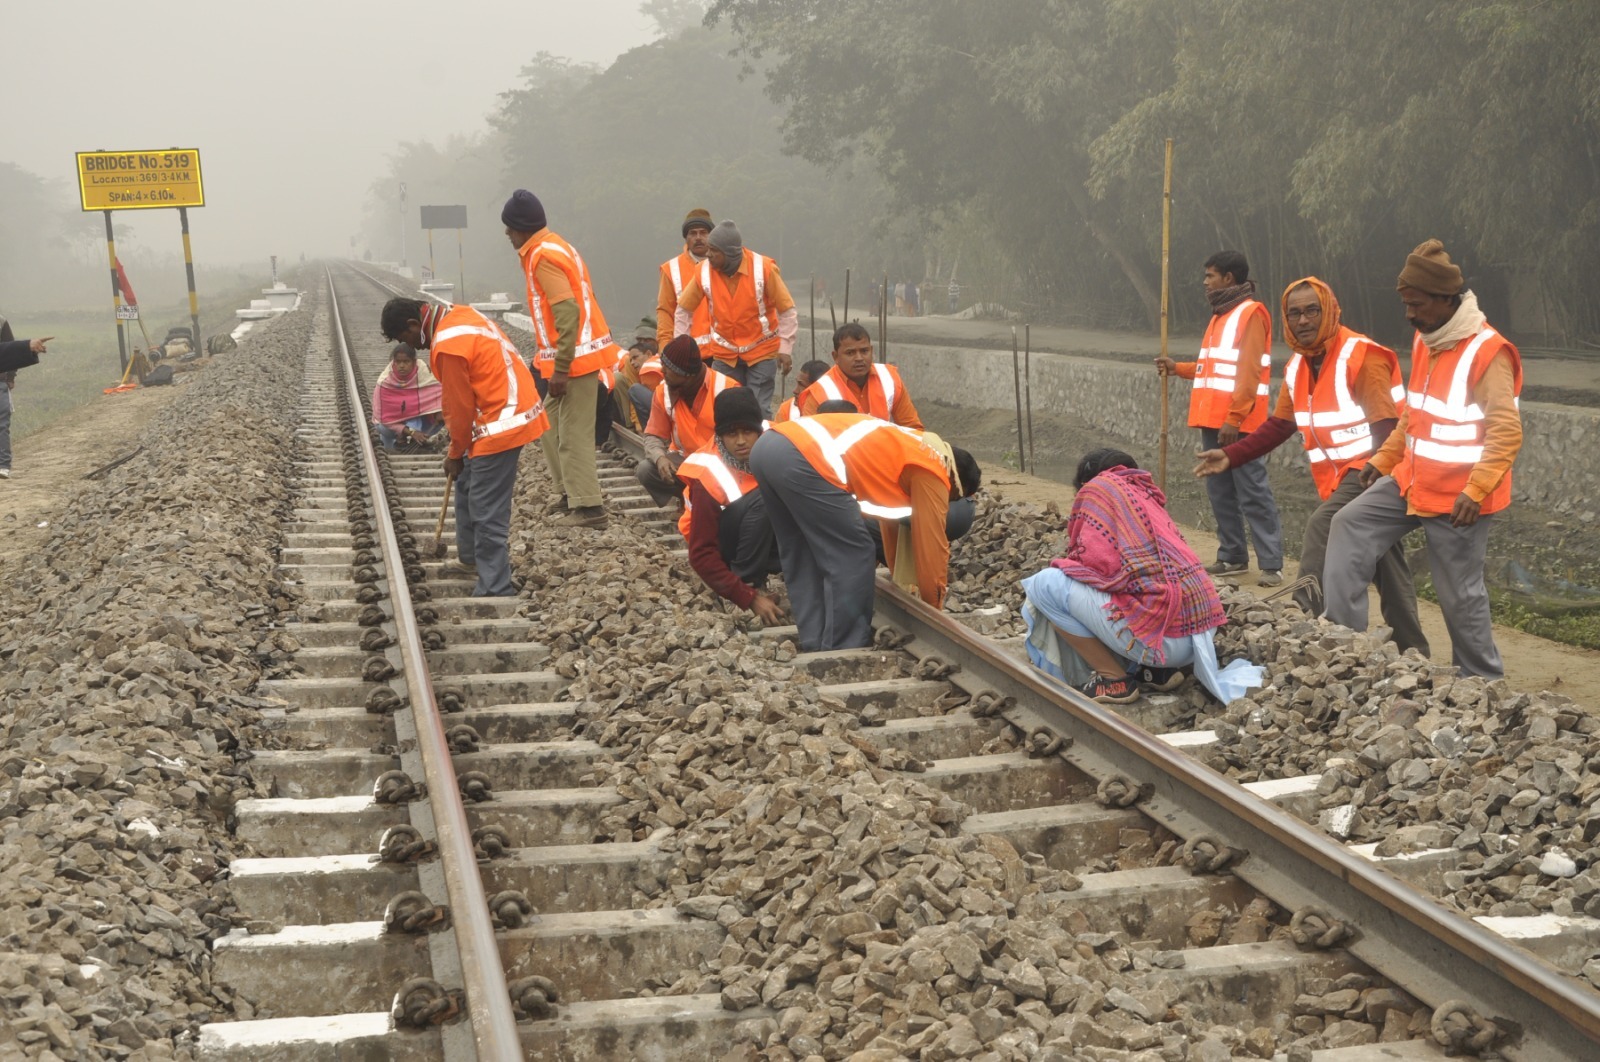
<point>1270,579</point>
<point>1222,567</point>
<point>5,473</point>
<point>587,516</point>
<point>557,506</point>
<point>457,570</point>
<point>1159,679</point>
<point>1110,691</point>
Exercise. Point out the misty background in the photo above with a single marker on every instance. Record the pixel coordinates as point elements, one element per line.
<point>1014,146</point>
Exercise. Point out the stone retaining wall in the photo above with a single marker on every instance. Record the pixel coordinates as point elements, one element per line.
<point>1557,469</point>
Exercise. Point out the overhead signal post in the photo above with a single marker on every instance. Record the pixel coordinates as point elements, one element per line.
<point>143,180</point>
<point>448,217</point>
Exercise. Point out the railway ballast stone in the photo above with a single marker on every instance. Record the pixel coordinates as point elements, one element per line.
<point>131,642</point>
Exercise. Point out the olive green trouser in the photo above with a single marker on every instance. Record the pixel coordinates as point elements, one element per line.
<point>569,442</point>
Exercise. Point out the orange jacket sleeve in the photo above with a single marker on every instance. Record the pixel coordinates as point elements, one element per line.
<point>1373,390</point>
<point>456,401</point>
<point>666,306</point>
<point>930,509</point>
<point>904,413</point>
<point>1251,346</point>
<point>1502,427</point>
<point>1186,369</point>
<point>782,301</point>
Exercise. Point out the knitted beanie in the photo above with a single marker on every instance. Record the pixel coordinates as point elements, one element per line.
<point>1429,270</point>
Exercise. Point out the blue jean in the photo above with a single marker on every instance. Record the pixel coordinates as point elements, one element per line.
<point>388,437</point>
<point>761,378</point>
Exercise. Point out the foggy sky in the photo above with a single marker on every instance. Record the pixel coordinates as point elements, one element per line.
<point>293,105</point>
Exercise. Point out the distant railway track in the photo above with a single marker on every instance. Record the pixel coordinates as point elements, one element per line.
<point>400,671</point>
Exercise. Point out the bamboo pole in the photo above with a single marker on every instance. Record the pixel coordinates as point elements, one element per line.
<point>1166,287</point>
<point>847,293</point>
<point>883,318</point>
<point>1027,378</point>
<point>1016,382</point>
<point>813,317</point>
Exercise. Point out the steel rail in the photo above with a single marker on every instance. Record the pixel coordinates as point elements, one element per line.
<point>488,1000</point>
<point>1428,950</point>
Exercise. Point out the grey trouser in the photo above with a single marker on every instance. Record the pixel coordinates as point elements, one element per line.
<point>5,423</point>
<point>661,489</point>
<point>759,377</point>
<point>569,442</point>
<point>483,519</point>
<point>1367,527</point>
<point>746,541</point>
<point>1239,495</point>
<point>826,552</point>
<point>1397,590</point>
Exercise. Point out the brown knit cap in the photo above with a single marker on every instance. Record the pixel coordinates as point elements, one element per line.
<point>1429,270</point>
<point>699,217</point>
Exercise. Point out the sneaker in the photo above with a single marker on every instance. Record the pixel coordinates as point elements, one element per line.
<point>557,506</point>
<point>1110,691</point>
<point>1222,567</point>
<point>1159,679</point>
<point>588,516</point>
<point>457,570</point>
<point>1270,579</point>
<point>5,473</point>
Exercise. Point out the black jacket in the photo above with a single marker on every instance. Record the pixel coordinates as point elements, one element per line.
<point>17,355</point>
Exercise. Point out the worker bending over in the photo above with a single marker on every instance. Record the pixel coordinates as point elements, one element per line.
<point>1342,390</point>
<point>574,345</point>
<point>491,410</point>
<point>808,374</point>
<point>751,320</point>
<point>676,272</point>
<point>872,388</point>
<point>1446,468</point>
<point>818,474</point>
<point>731,545</point>
<point>1230,399</point>
<point>681,417</point>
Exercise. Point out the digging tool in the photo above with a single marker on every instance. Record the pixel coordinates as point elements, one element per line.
<point>1016,382</point>
<point>439,548</point>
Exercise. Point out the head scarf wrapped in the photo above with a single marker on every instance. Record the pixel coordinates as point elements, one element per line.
<point>1330,318</point>
<point>396,399</point>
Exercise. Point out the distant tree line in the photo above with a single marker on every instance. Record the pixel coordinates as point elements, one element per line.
<point>1317,136</point>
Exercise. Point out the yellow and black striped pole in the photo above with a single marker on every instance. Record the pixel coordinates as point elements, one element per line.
<point>116,295</point>
<point>188,266</point>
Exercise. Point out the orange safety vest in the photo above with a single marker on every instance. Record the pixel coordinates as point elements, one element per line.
<point>1218,368</point>
<point>1333,426</point>
<point>788,411</point>
<point>865,456</point>
<point>678,270</point>
<point>741,325</point>
<point>1445,427</point>
<point>509,410</point>
<point>883,387</point>
<point>594,348</point>
<point>693,422</point>
<point>707,467</point>
<point>650,372</point>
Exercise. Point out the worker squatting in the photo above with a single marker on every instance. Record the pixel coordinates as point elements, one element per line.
<point>843,476</point>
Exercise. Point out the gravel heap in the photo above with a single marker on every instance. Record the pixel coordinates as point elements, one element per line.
<point>1008,542</point>
<point>854,906</point>
<point>129,646</point>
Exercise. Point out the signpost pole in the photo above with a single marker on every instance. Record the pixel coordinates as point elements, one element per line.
<point>116,294</point>
<point>461,269</point>
<point>188,267</point>
<point>432,272</point>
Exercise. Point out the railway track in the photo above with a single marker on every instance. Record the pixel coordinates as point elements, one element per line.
<point>1101,818</point>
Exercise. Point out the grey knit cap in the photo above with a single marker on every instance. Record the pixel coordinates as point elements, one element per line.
<point>725,238</point>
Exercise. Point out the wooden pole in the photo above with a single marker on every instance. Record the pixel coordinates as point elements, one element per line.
<point>833,316</point>
<point>1016,382</point>
<point>847,293</point>
<point>1027,378</point>
<point>813,317</point>
<point>883,317</point>
<point>1166,287</point>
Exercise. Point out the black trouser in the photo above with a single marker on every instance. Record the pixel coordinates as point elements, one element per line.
<point>746,541</point>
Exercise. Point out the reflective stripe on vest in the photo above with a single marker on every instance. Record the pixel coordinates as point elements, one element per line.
<point>726,482</point>
<point>885,380</point>
<point>833,451</point>
<point>508,417</point>
<point>1337,434</point>
<point>677,277</point>
<point>1219,365</point>
<point>1455,422</point>
<point>758,272</point>
<point>587,341</point>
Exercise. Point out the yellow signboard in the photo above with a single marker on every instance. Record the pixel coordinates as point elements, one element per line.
<point>140,180</point>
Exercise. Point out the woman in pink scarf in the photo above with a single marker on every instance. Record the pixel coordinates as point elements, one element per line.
<point>406,402</point>
<point>1130,604</point>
